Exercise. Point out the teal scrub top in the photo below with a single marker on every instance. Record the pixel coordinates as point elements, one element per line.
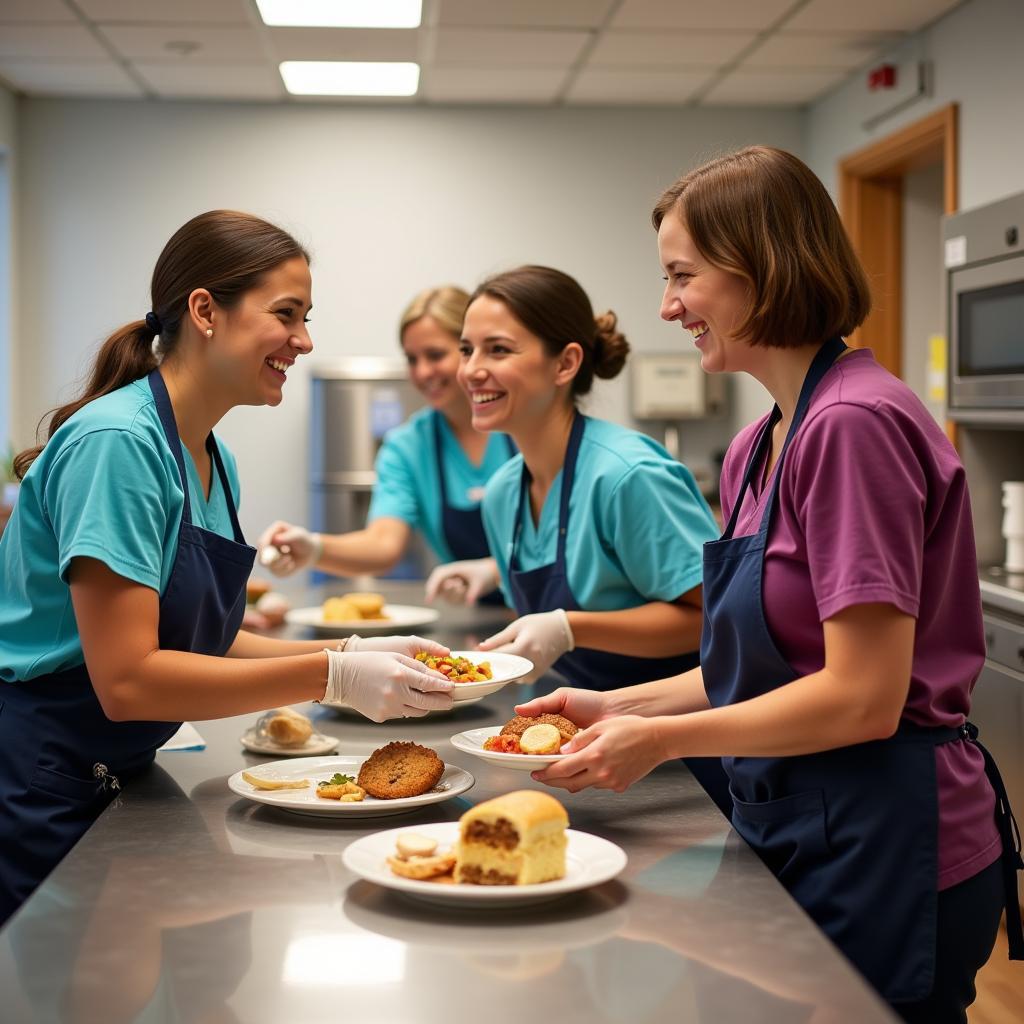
<point>407,475</point>
<point>105,486</point>
<point>637,522</point>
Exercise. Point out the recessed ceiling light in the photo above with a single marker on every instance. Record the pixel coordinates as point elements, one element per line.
<point>342,13</point>
<point>350,78</point>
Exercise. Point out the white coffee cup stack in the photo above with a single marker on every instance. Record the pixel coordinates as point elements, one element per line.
<point>1013,524</point>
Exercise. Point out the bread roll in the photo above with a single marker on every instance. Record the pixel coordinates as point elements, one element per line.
<point>289,728</point>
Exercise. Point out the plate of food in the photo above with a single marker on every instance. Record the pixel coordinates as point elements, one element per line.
<point>512,851</point>
<point>361,612</point>
<point>521,744</point>
<point>287,733</point>
<point>398,777</point>
<point>477,673</point>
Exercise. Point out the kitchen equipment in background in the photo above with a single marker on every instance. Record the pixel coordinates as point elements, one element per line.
<point>668,387</point>
<point>984,260</point>
<point>355,402</point>
<point>1013,525</point>
<point>997,703</point>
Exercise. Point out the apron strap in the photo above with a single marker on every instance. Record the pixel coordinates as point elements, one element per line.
<point>166,413</point>
<point>829,352</point>
<point>568,476</point>
<point>214,449</point>
<point>1009,833</point>
<point>441,482</point>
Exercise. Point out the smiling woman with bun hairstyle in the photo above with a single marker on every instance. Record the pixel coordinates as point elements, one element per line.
<point>595,530</point>
<point>123,567</point>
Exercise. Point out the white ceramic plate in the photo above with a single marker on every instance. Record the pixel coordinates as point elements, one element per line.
<point>345,709</point>
<point>472,742</point>
<point>401,618</point>
<point>590,861</point>
<point>454,781</point>
<point>316,744</point>
<point>505,668</point>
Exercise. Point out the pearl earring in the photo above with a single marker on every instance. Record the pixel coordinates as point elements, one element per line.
<point>209,332</point>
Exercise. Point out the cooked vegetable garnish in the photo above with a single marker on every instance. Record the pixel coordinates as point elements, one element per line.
<point>457,669</point>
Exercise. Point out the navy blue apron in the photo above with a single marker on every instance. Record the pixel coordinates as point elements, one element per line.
<point>851,833</point>
<point>547,587</point>
<point>61,759</point>
<point>463,528</point>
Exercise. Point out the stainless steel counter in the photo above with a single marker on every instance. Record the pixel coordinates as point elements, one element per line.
<point>185,903</point>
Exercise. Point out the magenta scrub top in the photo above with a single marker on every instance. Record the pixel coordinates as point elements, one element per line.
<point>873,507</point>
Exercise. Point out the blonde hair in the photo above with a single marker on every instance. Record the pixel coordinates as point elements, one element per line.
<point>762,214</point>
<point>445,305</point>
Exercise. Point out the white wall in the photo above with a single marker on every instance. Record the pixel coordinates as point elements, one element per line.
<point>978,55</point>
<point>389,199</point>
<point>8,133</point>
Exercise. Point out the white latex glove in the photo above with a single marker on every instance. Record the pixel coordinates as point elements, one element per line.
<point>382,686</point>
<point>284,548</point>
<point>542,637</point>
<point>410,646</point>
<point>463,582</point>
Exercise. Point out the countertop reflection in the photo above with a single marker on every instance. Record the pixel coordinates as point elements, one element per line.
<point>186,903</point>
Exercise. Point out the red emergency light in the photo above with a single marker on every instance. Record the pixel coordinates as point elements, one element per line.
<point>882,77</point>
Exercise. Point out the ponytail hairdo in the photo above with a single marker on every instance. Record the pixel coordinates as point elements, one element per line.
<point>223,251</point>
<point>553,306</point>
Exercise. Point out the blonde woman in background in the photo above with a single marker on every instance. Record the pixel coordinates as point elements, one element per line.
<point>431,470</point>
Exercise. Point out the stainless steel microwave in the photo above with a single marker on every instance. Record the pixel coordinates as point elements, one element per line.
<point>984,260</point>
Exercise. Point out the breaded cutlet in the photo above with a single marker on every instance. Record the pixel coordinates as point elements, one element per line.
<point>518,725</point>
<point>400,769</point>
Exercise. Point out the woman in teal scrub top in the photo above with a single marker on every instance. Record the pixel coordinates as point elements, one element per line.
<point>596,531</point>
<point>431,471</point>
<point>123,568</point>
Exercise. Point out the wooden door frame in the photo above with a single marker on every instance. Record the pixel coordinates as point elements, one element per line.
<point>871,206</point>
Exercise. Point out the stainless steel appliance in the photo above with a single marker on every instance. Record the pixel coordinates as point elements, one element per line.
<point>355,402</point>
<point>984,259</point>
<point>997,705</point>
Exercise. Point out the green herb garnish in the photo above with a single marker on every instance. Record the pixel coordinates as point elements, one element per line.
<point>336,780</point>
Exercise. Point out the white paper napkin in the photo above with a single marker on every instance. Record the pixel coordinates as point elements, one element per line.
<point>186,738</point>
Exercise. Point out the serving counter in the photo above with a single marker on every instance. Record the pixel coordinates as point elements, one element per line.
<point>186,903</point>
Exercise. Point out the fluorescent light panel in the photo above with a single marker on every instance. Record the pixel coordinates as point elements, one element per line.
<point>350,78</point>
<point>341,13</point>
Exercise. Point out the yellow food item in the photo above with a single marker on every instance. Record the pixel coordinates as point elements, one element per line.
<point>409,844</point>
<point>258,783</point>
<point>457,669</point>
<point>516,839</point>
<point>342,788</point>
<point>540,739</point>
<point>422,868</point>
<point>337,609</point>
<point>368,604</point>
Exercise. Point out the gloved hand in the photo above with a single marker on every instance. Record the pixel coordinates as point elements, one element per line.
<point>463,582</point>
<point>382,686</point>
<point>295,548</point>
<point>410,646</point>
<point>542,637</point>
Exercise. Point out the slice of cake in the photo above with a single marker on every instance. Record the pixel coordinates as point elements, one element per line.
<point>516,839</point>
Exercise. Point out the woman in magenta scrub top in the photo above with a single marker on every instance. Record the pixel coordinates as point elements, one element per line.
<point>842,615</point>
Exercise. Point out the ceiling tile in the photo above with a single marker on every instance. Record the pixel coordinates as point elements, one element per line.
<point>69,78</point>
<point>745,15</point>
<point>771,88</point>
<point>166,42</point>
<point>168,12</point>
<point>47,41</point>
<point>214,82</point>
<point>514,47</point>
<point>658,88</point>
<point>667,49</point>
<point>868,15</point>
<point>525,13</point>
<point>800,49</point>
<point>344,43</point>
<point>36,10</point>
<point>490,85</point>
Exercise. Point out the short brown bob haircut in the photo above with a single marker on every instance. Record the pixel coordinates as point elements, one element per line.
<point>762,214</point>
